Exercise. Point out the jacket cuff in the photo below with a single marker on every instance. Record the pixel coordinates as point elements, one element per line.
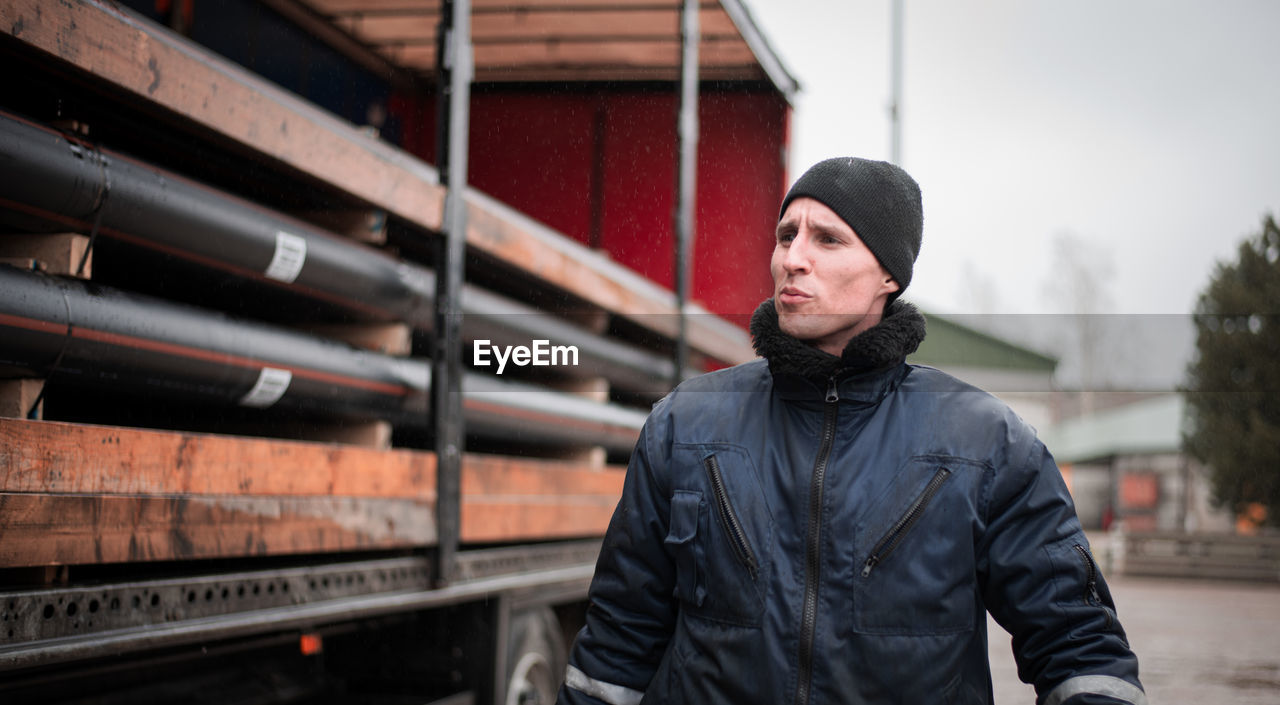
<point>609,693</point>
<point>1084,690</point>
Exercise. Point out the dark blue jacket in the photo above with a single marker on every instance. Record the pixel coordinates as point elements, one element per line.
<point>781,542</point>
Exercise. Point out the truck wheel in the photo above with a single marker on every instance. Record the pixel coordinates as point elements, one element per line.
<point>536,655</point>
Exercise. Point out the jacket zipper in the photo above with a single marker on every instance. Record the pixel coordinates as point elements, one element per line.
<point>809,617</point>
<point>1090,570</point>
<point>1091,596</point>
<point>729,519</point>
<point>889,542</point>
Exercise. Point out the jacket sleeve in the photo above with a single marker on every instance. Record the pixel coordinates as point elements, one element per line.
<point>631,610</point>
<point>1040,582</point>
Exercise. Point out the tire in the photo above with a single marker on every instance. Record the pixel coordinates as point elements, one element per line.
<point>535,658</point>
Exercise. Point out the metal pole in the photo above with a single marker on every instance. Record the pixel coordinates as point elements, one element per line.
<point>895,87</point>
<point>687,173</point>
<point>453,106</point>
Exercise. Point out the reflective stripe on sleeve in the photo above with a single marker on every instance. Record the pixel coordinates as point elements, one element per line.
<point>608,692</point>
<point>1109,686</point>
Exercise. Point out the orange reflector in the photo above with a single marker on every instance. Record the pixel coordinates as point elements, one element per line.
<point>310,644</point>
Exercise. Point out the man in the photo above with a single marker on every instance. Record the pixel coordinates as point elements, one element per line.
<point>830,524</point>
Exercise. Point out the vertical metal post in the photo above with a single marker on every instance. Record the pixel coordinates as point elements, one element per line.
<point>1113,491</point>
<point>455,69</point>
<point>1184,506</point>
<point>895,85</point>
<point>687,172</point>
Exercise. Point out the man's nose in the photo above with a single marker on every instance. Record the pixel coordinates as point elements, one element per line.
<point>797,258</point>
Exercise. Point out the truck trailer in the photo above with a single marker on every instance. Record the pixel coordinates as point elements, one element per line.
<point>327,327</point>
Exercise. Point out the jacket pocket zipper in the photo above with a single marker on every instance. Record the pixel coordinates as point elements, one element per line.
<point>889,542</point>
<point>1091,596</point>
<point>729,519</point>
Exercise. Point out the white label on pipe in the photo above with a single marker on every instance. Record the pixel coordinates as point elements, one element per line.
<point>290,255</point>
<point>271,385</point>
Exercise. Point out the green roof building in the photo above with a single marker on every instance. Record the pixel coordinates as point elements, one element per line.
<point>1021,377</point>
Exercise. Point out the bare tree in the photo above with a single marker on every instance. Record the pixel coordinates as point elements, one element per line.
<point>1079,291</point>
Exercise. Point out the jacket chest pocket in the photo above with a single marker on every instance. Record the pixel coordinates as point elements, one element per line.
<point>913,564</point>
<point>720,536</point>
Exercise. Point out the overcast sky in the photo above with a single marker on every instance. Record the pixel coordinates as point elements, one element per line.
<point>1149,131</point>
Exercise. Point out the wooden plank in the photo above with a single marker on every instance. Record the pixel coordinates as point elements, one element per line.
<point>55,253</point>
<point>432,7</point>
<point>557,74</point>
<point>597,26</point>
<point>51,529</point>
<point>28,263</point>
<point>495,66</point>
<point>364,225</point>
<point>594,320</point>
<point>534,6</point>
<point>595,389</point>
<point>495,475</point>
<point>603,25</point>
<point>541,5</point>
<point>520,499</point>
<point>551,55</point>
<point>74,493</point>
<point>375,435</point>
<point>17,396</point>
<point>385,338</point>
<point>495,521</point>
<point>334,7</point>
<point>590,456</point>
<point>55,457</point>
<point>650,52</point>
<point>52,457</point>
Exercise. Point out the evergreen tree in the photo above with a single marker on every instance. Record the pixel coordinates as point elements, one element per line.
<point>1233,391</point>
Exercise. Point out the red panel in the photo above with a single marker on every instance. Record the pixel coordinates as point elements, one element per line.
<point>740,175</point>
<point>640,183</point>
<point>599,165</point>
<point>534,152</point>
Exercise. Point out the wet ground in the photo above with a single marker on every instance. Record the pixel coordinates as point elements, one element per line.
<point>1198,643</point>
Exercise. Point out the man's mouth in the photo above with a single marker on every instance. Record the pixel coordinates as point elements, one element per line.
<point>789,295</point>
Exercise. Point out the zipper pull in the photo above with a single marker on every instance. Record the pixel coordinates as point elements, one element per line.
<point>869,565</point>
<point>833,392</point>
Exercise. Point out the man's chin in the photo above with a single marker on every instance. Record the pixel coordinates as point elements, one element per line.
<point>826,332</point>
<point>807,328</point>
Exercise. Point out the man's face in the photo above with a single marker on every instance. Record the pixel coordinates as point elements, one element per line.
<point>827,286</point>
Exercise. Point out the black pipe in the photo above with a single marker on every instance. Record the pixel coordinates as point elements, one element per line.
<point>87,334</point>
<point>55,177</point>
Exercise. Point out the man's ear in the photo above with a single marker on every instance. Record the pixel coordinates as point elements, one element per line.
<point>890,285</point>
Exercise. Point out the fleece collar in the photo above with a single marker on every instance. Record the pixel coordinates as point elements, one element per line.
<point>884,345</point>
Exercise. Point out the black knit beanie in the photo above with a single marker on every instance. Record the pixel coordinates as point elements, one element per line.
<point>879,200</point>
